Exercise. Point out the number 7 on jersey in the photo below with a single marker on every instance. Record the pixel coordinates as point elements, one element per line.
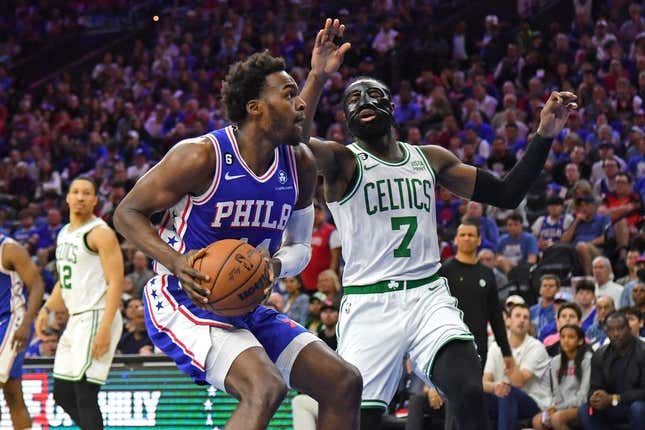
<point>403,250</point>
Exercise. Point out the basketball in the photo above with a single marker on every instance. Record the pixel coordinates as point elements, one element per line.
<point>234,268</point>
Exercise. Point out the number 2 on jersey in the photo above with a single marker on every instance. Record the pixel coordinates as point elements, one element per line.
<point>403,249</point>
<point>66,281</point>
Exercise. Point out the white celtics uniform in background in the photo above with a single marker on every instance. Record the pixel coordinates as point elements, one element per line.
<point>394,304</point>
<point>83,287</point>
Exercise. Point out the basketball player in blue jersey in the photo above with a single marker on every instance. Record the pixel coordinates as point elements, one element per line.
<point>383,191</point>
<point>21,294</point>
<point>252,181</point>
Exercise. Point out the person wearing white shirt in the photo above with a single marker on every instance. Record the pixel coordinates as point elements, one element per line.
<point>520,390</point>
<point>603,277</point>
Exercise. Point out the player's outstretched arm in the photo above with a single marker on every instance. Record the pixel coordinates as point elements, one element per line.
<point>326,58</point>
<point>186,170</point>
<point>16,257</point>
<point>104,241</point>
<point>480,185</point>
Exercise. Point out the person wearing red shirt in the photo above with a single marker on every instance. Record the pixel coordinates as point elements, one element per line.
<point>325,250</point>
<point>624,207</point>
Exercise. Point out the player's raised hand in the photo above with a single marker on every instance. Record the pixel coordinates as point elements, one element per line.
<point>555,113</point>
<point>189,278</point>
<point>327,55</point>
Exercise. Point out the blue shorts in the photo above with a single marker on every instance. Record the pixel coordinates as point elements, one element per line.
<point>187,333</point>
<point>10,363</point>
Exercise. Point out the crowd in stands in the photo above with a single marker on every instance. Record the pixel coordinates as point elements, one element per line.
<point>475,91</point>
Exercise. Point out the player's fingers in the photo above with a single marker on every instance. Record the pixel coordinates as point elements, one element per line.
<point>326,28</point>
<point>319,37</point>
<point>572,106</point>
<point>195,274</point>
<point>344,48</point>
<point>341,30</point>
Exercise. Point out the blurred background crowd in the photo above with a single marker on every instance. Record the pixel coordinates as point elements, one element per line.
<point>105,87</point>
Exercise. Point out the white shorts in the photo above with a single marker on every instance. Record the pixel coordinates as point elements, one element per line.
<point>74,353</point>
<point>10,361</point>
<point>376,331</point>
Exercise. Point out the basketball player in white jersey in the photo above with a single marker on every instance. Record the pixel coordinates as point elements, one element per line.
<point>381,194</point>
<point>21,294</point>
<point>90,278</point>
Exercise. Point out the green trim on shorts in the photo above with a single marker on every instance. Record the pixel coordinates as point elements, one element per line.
<point>390,286</point>
<point>88,353</point>
<point>373,404</point>
<point>340,309</point>
<point>95,381</point>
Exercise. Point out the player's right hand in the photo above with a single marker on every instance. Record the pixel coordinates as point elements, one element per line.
<point>189,278</point>
<point>42,319</point>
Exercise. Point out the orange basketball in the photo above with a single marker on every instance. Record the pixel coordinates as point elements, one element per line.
<point>234,268</point>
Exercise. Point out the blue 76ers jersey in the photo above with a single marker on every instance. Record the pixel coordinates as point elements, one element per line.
<point>237,205</point>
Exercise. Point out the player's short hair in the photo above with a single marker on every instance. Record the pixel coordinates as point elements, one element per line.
<point>556,278</point>
<point>469,222</point>
<point>87,179</point>
<point>245,81</point>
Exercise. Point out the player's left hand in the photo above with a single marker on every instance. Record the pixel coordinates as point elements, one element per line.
<point>555,113</point>
<point>268,278</point>
<point>21,336</point>
<point>101,342</point>
<point>327,56</point>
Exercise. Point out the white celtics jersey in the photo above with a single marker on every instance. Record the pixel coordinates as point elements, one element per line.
<point>387,221</point>
<point>80,273</point>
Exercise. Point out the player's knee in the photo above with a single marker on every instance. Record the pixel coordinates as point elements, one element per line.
<point>266,393</point>
<point>351,382</point>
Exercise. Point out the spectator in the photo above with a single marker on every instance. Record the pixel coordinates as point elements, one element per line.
<point>45,346</point>
<point>27,233</point>
<point>328,318</point>
<point>329,285</point>
<point>543,312</point>
<point>548,229</point>
<point>131,307</point>
<point>630,261</point>
<point>587,233</point>
<point>570,374</point>
<point>638,293</point>
<point>140,274</point>
<point>140,166</point>
<point>49,232</point>
<point>487,227</point>
<point>568,313</point>
<point>135,339</point>
<point>313,324</point>
<point>474,287</point>
<point>296,303</point>
<point>635,320</point>
<point>596,333</point>
<point>626,298</point>
<point>21,184</point>
<point>523,390</point>
<point>624,207</point>
<point>487,258</point>
<point>325,250</point>
<point>585,298</point>
<point>603,277</point>
<point>516,247</point>
<point>447,206</point>
<point>560,298</point>
<point>501,160</point>
<point>617,394</point>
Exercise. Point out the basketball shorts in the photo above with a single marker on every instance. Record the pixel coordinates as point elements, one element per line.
<point>10,361</point>
<point>379,325</point>
<point>74,353</point>
<point>204,345</point>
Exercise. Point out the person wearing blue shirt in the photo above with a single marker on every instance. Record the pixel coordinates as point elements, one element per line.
<point>543,312</point>
<point>487,227</point>
<point>516,247</point>
<point>47,233</point>
<point>27,233</point>
<point>587,233</point>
